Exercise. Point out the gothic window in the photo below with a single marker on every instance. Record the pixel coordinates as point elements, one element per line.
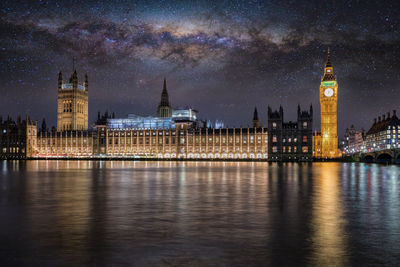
<point>305,139</point>
<point>305,125</point>
<point>274,139</point>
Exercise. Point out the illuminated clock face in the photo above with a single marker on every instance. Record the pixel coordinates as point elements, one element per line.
<point>328,92</point>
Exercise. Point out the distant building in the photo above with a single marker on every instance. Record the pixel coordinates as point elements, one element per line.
<point>383,134</point>
<point>72,107</point>
<point>352,142</point>
<point>17,138</point>
<point>290,141</point>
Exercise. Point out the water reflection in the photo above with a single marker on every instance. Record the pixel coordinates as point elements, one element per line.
<point>329,236</point>
<point>198,213</point>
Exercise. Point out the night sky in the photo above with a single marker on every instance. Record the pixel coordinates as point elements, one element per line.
<point>221,58</point>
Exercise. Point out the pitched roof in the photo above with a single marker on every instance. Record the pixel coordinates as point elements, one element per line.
<point>382,125</point>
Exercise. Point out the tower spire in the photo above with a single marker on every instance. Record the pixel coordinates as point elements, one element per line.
<point>256,122</point>
<point>328,59</point>
<point>164,108</point>
<point>164,95</point>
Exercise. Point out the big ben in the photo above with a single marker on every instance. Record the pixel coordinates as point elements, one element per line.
<point>328,96</point>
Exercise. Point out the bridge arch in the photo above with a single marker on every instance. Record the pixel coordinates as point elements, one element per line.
<point>384,158</point>
<point>368,158</point>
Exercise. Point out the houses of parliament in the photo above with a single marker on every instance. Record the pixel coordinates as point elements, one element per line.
<point>175,133</point>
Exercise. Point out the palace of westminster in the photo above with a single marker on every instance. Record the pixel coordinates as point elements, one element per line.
<point>173,133</point>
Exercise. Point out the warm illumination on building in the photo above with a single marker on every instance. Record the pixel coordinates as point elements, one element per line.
<point>328,95</point>
<point>72,106</point>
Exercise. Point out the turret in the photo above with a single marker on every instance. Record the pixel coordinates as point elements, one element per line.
<point>311,111</point>
<point>44,126</point>
<point>60,80</point>
<point>86,84</point>
<point>75,80</point>
<point>256,122</point>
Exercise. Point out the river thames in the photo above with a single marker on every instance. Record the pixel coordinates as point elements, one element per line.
<point>79,213</point>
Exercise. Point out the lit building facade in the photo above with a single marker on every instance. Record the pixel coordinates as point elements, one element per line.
<point>173,134</point>
<point>72,104</point>
<point>186,142</point>
<point>326,142</point>
<point>352,142</point>
<point>73,144</point>
<point>383,134</point>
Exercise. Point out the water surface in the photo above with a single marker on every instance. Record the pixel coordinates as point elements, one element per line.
<point>79,213</point>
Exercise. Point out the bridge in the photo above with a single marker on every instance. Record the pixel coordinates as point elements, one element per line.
<point>387,156</point>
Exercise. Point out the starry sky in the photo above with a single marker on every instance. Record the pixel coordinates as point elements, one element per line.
<point>222,58</point>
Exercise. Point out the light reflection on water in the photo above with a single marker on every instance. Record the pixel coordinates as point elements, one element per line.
<point>198,213</point>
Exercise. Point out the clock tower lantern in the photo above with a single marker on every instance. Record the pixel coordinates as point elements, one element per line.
<point>328,96</point>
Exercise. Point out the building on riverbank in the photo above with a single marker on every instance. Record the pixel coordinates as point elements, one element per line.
<point>173,134</point>
<point>384,134</point>
<point>353,141</point>
<point>17,138</point>
<point>290,141</point>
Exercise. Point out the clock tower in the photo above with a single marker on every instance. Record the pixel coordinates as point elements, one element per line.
<point>328,96</point>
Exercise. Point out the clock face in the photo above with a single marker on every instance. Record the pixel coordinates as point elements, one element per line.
<point>328,92</point>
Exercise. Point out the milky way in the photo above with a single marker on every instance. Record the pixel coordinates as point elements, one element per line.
<point>221,58</point>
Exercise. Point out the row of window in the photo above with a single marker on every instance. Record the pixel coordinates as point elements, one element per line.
<point>67,106</point>
<point>182,140</point>
<point>305,125</point>
<point>64,141</point>
<point>13,150</point>
<point>290,149</point>
<point>289,140</point>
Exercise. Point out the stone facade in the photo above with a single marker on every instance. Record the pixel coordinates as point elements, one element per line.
<point>290,141</point>
<point>17,138</point>
<point>73,104</point>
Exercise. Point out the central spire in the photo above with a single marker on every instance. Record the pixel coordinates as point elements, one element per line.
<point>164,108</point>
<point>164,95</point>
